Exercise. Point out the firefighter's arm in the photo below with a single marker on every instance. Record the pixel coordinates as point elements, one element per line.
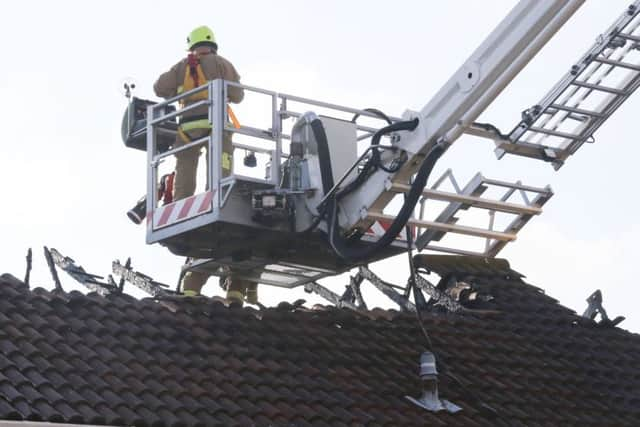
<point>167,84</point>
<point>236,94</point>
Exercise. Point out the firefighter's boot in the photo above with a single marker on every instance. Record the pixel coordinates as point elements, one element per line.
<point>236,289</point>
<point>192,283</point>
<point>252,293</point>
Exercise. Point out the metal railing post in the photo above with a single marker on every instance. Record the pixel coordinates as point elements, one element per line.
<point>152,165</point>
<point>276,130</point>
<point>217,104</point>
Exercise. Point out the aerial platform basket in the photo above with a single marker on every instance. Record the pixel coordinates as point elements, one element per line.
<point>222,227</point>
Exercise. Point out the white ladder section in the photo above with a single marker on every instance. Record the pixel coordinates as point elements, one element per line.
<point>582,100</point>
<point>515,202</point>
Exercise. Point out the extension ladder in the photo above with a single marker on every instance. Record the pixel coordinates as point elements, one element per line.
<point>604,77</point>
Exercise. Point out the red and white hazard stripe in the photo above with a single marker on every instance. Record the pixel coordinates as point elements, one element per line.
<point>378,228</point>
<point>184,209</point>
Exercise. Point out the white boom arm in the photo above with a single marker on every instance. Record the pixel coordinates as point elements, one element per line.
<point>516,40</point>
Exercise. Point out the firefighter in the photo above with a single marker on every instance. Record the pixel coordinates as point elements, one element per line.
<point>201,65</point>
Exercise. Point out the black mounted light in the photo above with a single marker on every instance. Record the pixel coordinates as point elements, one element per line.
<point>250,160</point>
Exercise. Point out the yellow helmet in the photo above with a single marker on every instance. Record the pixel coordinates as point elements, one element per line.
<point>201,36</point>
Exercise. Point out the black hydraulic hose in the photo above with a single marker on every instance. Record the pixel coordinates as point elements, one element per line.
<point>326,171</point>
<point>375,111</point>
<point>324,155</point>
<point>491,128</point>
<point>341,246</point>
<point>375,140</point>
<point>374,160</point>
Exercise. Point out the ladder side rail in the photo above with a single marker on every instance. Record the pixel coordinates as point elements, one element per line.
<point>476,84</point>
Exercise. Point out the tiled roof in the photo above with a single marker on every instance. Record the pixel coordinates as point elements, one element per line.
<point>115,360</point>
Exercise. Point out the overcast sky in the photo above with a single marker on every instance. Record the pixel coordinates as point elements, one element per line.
<point>67,179</point>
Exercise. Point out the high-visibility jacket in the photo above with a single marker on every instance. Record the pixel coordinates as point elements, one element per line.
<point>191,73</point>
<point>212,66</point>
<point>193,77</point>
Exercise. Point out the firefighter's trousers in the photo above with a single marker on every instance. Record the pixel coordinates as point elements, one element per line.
<point>185,186</point>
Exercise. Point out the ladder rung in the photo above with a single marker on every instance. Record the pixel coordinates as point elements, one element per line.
<point>600,88</point>
<point>554,133</point>
<point>577,117</point>
<point>452,228</point>
<point>577,110</point>
<point>629,37</point>
<point>618,63</point>
<point>473,201</point>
